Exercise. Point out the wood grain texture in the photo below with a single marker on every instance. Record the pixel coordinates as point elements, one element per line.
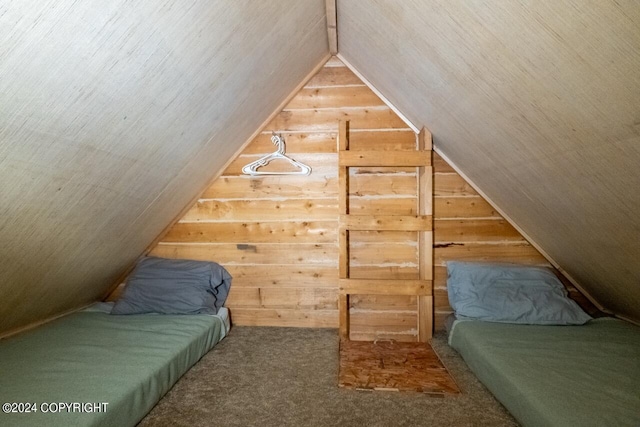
<point>278,235</point>
<point>383,287</point>
<point>114,115</point>
<point>539,113</point>
<point>385,159</point>
<point>385,222</point>
<point>393,366</point>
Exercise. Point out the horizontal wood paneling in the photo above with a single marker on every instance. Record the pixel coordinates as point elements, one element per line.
<point>334,97</point>
<point>451,184</point>
<point>390,140</point>
<point>383,185</point>
<point>516,253</point>
<point>255,253</point>
<point>334,76</point>
<point>474,230</point>
<point>254,232</point>
<point>405,271</point>
<point>384,302</point>
<point>315,209</point>
<point>284,275</point>
<point>327,120</point>
<point>467,228</point>
<point>284,298</point>
<point>278,235</point>
<point>317,142</point>
<point>306,318</point>
<point>383,206</point>
<point>463,207</point>
<point>242,187</point>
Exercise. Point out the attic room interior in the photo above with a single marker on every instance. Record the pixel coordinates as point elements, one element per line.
<point>320,212</point>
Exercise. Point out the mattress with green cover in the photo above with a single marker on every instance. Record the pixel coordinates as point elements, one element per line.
<point>585,375</point>
<point>96,369</point>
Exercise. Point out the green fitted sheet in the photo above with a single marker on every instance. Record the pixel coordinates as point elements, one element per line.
<point>129,362</point>
<point>585,375</point>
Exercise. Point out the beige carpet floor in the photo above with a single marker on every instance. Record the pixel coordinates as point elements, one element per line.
<point>288,377</point>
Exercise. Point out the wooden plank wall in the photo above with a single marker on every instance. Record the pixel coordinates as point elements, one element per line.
<point>467,228</point>
<point>277,235</point>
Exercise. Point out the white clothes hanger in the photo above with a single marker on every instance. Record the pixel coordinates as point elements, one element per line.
<point>252,168</point>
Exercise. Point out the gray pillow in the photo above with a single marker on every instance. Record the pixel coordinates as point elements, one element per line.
<point>174,286</point>
<point>511,294</point>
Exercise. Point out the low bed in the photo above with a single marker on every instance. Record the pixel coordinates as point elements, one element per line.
<point>586,375</point>
<point>110,364</point>
<point>92,357</point>
<point>538,352</point>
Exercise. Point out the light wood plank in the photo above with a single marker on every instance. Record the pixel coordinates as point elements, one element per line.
<point>384,302</point>
<point>286,275</point>
<point>385,287</point>
<point>344,254</point>
<point>254,232</point>
<point>395,140</point>
<point>384,272</point>
<point>425,239</point>
<point>380,335</point>
<point>384,158</point>
<point>440,165</point>
<point>475,231</point>
<point>343,208</point>
<point>383,185</point>
<point>295,142</point>
<point>385,222</point>
<point>334,76</point>
<point>462,207</point>
<point>335,97</point>
<point>272,186</point>
<point>386,237</point>
<point>279,298</point>
<point>425,318</point>
<point>379,254</point>
<point>517,253</point>
<point>327,120</point>
<point>249,254</point>
<point>299,318</point>
<point>312,209</point>
<point>425,140</point>
<point>451,184</point>
<point>383,324</point>
<point>382,206</point>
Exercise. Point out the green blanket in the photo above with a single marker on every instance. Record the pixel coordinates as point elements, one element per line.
<point>557,375</point>
<point>127,362</point>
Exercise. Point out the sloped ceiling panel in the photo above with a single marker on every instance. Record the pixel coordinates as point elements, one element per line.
<point>538,102</point>
<point>113,115</point>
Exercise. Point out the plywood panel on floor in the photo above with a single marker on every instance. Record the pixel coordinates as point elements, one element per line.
<point>394,366</point>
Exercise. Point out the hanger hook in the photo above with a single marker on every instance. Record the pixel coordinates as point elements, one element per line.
<point>278,142</point>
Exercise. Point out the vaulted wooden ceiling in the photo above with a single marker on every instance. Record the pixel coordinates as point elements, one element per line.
<point>115,115</point>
